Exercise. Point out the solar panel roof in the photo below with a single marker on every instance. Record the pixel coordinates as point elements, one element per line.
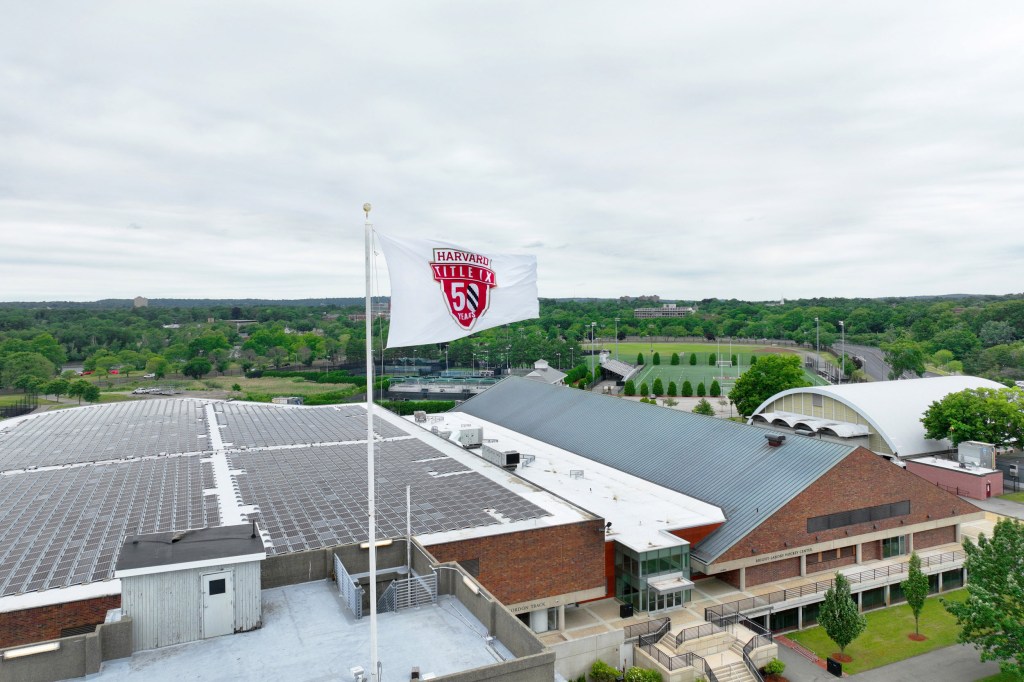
<point>74,483</point>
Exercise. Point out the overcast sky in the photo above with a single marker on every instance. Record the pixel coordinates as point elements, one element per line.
<point>750,150</point>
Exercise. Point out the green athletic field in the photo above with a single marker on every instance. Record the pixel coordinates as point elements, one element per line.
<point>701,371</point>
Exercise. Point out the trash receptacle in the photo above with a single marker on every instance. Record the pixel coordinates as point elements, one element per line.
<point>625,610</point>
<point>834,667</point>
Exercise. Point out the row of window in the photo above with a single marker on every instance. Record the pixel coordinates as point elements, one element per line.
<point>855,516</point>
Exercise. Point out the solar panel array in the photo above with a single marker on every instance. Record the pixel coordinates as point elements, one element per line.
<point>75,483</point>
<point>118,431</point>
<point>257,426</point>
<point>316,497</point>
<point>62,527</point>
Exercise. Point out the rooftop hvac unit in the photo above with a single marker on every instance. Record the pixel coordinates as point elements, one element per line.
<point>506,459</point>
<point>420,416</point>
<point>976,453</point>
<point>472,437</point>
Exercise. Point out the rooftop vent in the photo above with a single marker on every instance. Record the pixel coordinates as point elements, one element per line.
<point>775,439</point>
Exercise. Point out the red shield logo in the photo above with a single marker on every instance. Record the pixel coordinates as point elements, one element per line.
<point>466,281</point>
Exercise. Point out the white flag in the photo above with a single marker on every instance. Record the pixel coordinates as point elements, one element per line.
<point>441,292</point>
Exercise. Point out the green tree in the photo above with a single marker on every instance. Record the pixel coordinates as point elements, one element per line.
<point>753,360</point>
<point>915,589</point>
<point>30,384</point>
<point>733,359</point>
<point>57,388</point>
<point>693,359</point>
<point>672,389</point>
<point>91,394</point>
<point>78,389</point>
<point>712,359</point>
<point>644,390</point>
<point>25,363</point>
<point>704,407</point>
<point>989,415</point>
<point>770,375</point>
<point>637,674</point>
<point>992,616</point>
<point>839,615</point>
<point>687,389</point>
<point>157,365</point>
<point>658,387</point>
<point>701,390</point>
<point>716,389</point>
<point>196,368</point>
<point>903,356</point>
<point>675,359</point>
<point>639,359</point>
<point>657,358</point>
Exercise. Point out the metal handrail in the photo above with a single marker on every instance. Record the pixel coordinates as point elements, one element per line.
<point>718,612</point>
<point>698,631</point>
<point>645,628</point>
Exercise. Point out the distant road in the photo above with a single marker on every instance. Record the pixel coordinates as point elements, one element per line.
<point>874,360</point>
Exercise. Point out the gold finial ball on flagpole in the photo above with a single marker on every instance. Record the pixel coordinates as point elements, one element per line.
<point>366,209</point>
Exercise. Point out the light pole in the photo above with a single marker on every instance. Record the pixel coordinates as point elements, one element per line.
<point>559,354</point>
<point>817,345</point>
<point>842,361</point>
<point>616,338</point>
<point>593,343</point>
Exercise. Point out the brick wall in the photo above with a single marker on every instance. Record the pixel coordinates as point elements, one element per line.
<point>776,570</point>
<point>870,551</point>
<point>730,578</point>
<point>537,563</point>
<point>931,538</point>
<point>697,533</point>
<point>46,622</point>
<point>862,479</point>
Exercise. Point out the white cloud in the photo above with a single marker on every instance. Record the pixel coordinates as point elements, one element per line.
<point>750,151</point>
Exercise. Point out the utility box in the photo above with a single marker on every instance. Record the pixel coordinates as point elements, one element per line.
<point>469,436</point>
<point>977,453</point>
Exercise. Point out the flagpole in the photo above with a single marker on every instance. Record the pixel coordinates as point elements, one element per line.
<point>370,486</point>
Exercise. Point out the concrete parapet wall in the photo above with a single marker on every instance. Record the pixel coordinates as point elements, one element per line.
<point>574,658</point>
<point>642,660</point>
<point>708,646</point>
<point>77,656</point>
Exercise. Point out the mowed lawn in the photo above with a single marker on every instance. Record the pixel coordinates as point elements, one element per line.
<point>1013,497</point>
<point>885,639</point>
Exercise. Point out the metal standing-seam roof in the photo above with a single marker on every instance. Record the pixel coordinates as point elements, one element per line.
<point>720,462</point>
<point>894,408</point>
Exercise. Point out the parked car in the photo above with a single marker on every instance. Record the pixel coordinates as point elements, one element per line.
<point>149,376</point>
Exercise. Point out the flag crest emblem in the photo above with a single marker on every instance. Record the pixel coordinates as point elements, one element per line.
<point>466,281</point>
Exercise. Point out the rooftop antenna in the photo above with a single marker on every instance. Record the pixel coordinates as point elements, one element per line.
<point>375,666</point>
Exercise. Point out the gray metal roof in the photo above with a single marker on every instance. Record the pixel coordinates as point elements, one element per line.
<point>721,462</point>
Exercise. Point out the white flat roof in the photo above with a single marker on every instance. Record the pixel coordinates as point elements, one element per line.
<point>641,512</point>
<point>948,464</point>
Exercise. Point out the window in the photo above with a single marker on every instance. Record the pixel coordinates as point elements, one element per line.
<point>855,516</point>
<point>219,586</point>
<point>896,546</point>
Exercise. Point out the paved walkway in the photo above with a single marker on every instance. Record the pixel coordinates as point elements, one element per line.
<point>951,664</point>
<point>998,506</point>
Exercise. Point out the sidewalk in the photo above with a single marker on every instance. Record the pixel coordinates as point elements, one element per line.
<point>957,663</point>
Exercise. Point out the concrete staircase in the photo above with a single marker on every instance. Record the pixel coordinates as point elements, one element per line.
<point>734,672</point>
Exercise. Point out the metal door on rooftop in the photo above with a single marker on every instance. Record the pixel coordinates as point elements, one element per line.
<point>218,604</point>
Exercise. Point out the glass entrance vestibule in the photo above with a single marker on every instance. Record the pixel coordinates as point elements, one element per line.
<point>653,580</point>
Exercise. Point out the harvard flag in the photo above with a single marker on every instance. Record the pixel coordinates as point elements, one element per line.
<point>441,292</point>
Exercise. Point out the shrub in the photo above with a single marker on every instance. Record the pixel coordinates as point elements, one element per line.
<point>733,359</point>
<point>407,407</point>
<point>657,358</point>
<point>774,667</point>
<point>637,674</point>
<point>658,387</point>
<point>236,387</point>
<point>629,388</point>
<point>639,358</point>
<point>701,391</point>
<point>672,388</point>
<point>693,359</point>
<point>716,389</point>
<point>704,407</point>
<point>602,672</point>
<point>675,359</point>
<point>712,358</point>
<point>644,390</point>
<point>687,389</point>
<point>669,402</point>
<point>753,359</point>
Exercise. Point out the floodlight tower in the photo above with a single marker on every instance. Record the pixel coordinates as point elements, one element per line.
<point>842,361</point>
